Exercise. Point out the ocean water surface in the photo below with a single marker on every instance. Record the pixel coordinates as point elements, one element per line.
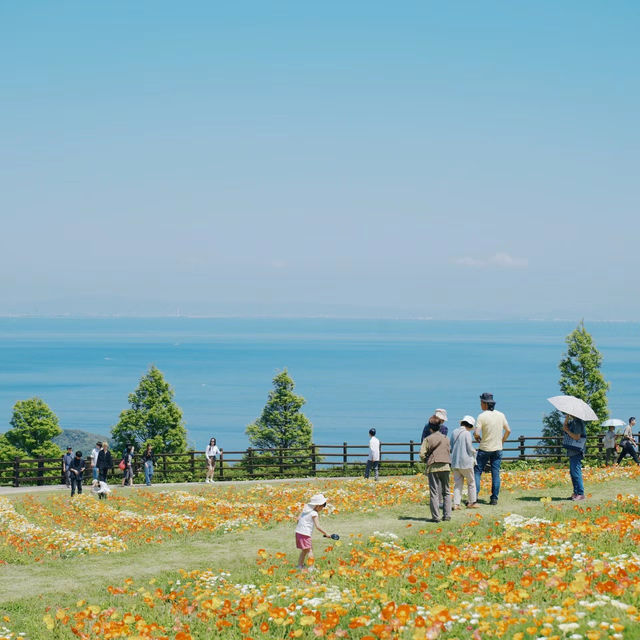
<point>354,374</point>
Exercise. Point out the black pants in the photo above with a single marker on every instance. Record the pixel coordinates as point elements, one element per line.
<point>102,473</point>
<point>76,482</point>
<point>628,449</point>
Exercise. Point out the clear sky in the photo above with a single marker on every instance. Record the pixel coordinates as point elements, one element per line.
<point>453,159</point>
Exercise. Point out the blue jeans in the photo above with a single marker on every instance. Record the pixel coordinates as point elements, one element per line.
<point>575,470</point>
<point>372,464</point>
<point>148,471</point>
<point>495,459</point>
<point>94,471</point>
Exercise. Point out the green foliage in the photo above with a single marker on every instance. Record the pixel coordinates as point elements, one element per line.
<point>154,418</point>
<point>79,440</point>
<point>580,376</point>
<point>282,425</point>
<point>33,426</point>
<point>7,451</point>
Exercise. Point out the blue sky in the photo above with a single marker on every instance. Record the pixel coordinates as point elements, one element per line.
<point>468,159</point>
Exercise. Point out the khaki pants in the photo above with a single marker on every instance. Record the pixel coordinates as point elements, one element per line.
<point>459,476</point>
<point>439,492</point>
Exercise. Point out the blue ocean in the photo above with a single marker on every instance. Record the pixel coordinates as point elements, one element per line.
<point>354,374</point>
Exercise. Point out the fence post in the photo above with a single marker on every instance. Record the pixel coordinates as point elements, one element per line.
<point>40,471</point>
<point>412,454</point>
<point>280,462</point>
<point>193,464</point>
<point>16,472</point>
<point>313,460</point>
<point>250,461</point>
<point>164,465</point>
<point>521,440</point>
<point>344,457</point>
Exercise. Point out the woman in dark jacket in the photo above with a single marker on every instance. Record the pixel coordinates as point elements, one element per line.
<point>105,462</point>
<point>147,460</point>
<point>127,458</point>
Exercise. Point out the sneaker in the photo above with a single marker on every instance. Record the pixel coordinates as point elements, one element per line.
<point>493,501</point>
<point>473,505</point>
<point>447,518</point>
<point>573,497</point>
<point>578,496</point>
<point>456,507</point>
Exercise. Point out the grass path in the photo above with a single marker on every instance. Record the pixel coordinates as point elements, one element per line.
<point>87,576</point>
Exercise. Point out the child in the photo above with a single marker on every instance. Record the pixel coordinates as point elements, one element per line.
<point>100,488</point>
<point>308,518</point>
<point>609,442</point>
<point>463,460</point>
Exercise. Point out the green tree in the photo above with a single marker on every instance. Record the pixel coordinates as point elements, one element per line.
<point>33,425</point>
<point>8,451</point>
<point>580,376</point>
<point>282,425</point>
<point>154,418</point>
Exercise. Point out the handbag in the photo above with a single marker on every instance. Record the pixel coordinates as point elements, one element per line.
<point>574,446</point>
<point>122,465</point>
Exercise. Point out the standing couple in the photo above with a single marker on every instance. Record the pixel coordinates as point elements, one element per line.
<point>490,430</point>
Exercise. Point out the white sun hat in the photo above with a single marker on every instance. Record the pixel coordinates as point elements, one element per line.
<point>317,500</point>
<point>441,413</point>
<point>470,420</point>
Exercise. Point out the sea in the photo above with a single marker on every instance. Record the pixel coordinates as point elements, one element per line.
<point>354,374</point>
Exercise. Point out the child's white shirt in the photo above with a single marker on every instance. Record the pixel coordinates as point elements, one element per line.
<point>101,487</point>
<point>307,519</point>
<point>374,449</point>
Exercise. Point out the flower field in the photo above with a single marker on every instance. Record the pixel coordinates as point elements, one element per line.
<point>545,568</point>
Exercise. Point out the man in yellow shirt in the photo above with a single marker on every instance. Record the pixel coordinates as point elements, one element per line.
<point>492,429</point>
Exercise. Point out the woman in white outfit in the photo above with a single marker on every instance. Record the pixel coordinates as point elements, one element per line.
<point>211,454</point>
<point>463,459</point>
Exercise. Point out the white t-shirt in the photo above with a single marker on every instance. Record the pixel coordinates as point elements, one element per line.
<point>101,487</point>
<point>374,449</point>
<point>94,456</point>
<point>307,519</point>
<point>490,427</point>
<point>212,452</point>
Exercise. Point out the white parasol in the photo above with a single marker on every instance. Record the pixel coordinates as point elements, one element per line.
<point>574,407</point>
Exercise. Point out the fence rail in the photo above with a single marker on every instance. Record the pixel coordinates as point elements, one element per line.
<point>316,460</point>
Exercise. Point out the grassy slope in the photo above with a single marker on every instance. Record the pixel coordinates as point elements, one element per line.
<point>26,589</point>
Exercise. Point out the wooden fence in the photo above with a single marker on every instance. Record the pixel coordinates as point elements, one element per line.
<point>316,460</point>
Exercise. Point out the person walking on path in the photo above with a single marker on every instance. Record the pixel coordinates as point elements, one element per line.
<point>127,458</point>
<point>105,462</point>
<point>628,444</point>
<point>373,461</point>
<point>211,454</point>
<point>463,460</point>
<point>147,461</point>
<point>67,458</point>
<point>76,469</point>
<point>576,431</point>
<point>306,522</point>
<point>609,443</point>
<point>436,452</point>
<point>492,429</point>
<point>439,417</point>
<point>95,452</point>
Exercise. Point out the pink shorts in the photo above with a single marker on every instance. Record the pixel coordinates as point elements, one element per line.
<point>302,541</point>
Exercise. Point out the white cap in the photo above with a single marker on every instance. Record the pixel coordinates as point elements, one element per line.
<point>469,420</point>
<point>317,500</point>
<point>441,413</point>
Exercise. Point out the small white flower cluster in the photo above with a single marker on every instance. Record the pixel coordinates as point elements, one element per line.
<point>517,521</point>
<point>10,635</point>
<point>384,535</point>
